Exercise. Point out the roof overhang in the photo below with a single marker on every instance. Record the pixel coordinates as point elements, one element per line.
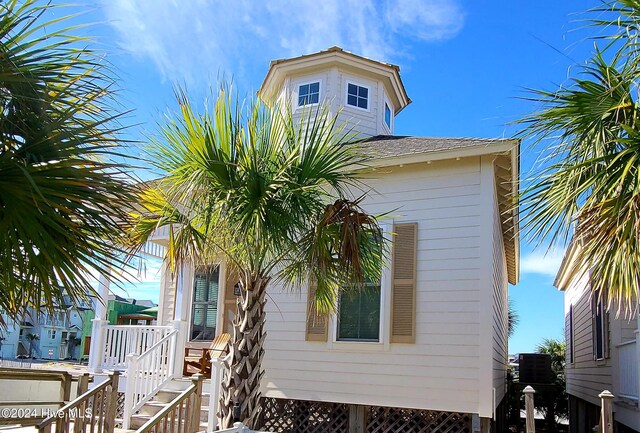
<point>335,56</point>
<point>567,267</point>
<point>506,171</point>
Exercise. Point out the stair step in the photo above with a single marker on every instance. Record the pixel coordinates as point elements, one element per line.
<point>166,395</point>
<point>138,421</point>
<point>152,407</point>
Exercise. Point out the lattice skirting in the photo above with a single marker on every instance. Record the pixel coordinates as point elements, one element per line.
<point>391,420</point>
<point>301,416</point>
<point>293,416</point>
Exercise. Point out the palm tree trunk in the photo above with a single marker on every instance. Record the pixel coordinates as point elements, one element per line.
<point>242,373</point>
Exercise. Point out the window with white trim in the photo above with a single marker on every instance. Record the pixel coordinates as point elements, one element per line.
<point>204,313</point>
<point>308,94</point>
<point>51,334</point>
<point>357,96</point>
<point>387,115</point>
<point>359,314</point>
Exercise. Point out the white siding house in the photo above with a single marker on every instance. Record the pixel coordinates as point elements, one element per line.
<point>437,349</point>
<point>603,353</point>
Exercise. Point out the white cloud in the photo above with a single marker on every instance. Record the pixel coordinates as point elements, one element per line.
<point>199,39</point>
<point>541,263</point>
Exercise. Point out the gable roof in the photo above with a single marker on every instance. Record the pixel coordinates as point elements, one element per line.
<point>388,150</point>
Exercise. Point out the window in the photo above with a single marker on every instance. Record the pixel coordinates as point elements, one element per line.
<point>51,334</point>
<point>387,115</point>
<point>570,336</point>
<point>359,314</point>
<point>357,96</point>
<point>205,304</point>
<point>309,94</point>
<point>64,335</point>
<point>599,326</point>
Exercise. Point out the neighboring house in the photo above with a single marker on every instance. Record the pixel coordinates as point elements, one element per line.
<point>427,346</point>
<point>120,311</point>
<point>603,353</point>
<point>57,332</point>
<point>9,338</point>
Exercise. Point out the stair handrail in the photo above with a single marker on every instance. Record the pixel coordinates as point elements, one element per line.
<point>82,411</point>
<point>182,414</point>
<point>147,373</point>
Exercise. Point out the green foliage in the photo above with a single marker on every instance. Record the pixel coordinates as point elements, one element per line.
<point>588,182</point>
<point>271,196</point>
<point>555,399</point>
<point>62,197</point>
<point>513,319</point>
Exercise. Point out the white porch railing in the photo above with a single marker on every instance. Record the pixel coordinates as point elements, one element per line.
<point>628,370</point>
<point>147,373</point>
<point>123,340</point>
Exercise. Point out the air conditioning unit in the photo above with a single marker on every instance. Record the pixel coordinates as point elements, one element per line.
<point>535,368</point>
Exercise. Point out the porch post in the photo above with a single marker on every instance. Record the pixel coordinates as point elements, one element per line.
<point>96,350</point>
<point>179,321</point>
<point>214,394</point>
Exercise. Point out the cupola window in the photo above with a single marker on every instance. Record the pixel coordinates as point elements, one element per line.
<point>387,115</point>
<point>357,96</point>
<point>309,94</point>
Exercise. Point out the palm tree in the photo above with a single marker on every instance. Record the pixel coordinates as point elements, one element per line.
<point>513,319</point>
<point>556,400</point>
<point>31,338</point>
<point>587,184</point>
<point>273,199</point>
<point>61,194</point>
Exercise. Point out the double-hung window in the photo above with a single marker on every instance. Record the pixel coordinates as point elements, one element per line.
<point>309,94</point>
<point>205,304</point>
<point>357,96</point>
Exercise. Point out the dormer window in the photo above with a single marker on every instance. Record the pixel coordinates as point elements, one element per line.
<point>387,115</point>
<point>309,94</point>
<point>357,96</point>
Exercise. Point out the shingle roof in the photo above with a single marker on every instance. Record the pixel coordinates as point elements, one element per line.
<point>393,146</point>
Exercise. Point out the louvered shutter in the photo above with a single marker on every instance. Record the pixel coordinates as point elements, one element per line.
<point>316,323</point>
<point>403,293</point>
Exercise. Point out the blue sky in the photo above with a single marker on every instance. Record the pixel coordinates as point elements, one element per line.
<point>465,64</point>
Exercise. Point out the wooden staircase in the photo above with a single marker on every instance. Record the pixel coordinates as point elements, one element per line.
<point>165,396</point>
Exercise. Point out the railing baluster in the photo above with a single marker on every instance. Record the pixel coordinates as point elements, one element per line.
<point>180,417</point>
<point>94,412</point>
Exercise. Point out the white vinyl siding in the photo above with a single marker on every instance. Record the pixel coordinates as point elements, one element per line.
<point>333,92</point>
<point>500,310</point>
<point>440,371</point>
<point>168,299</point>
<point>586,377</point>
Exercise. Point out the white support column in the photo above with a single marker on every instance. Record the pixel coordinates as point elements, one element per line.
<point>96,350</point>
<point>180,315</point>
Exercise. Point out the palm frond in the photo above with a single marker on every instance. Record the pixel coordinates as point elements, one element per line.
<point>62,198</point>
